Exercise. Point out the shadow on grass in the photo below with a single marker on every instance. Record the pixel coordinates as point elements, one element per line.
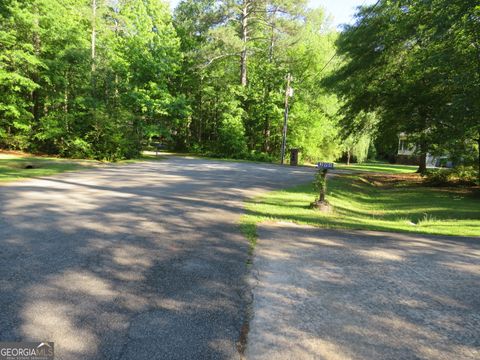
<point>359,205</point>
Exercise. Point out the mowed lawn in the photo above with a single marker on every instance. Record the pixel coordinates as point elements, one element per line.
<point>15,166</point>
<point>18,166</point>
<point>363,201</point>
<point>378,167</point>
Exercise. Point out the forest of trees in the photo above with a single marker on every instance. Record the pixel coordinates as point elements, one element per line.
<point>101,79</point>
<point>104,78</point>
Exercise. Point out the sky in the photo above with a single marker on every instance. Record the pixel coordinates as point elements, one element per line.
<point>341,10</point>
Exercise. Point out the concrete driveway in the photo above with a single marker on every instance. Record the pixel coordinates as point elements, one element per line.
<point>340,295</point>
<point>143,261</point>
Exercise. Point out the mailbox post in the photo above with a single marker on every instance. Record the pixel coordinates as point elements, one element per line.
<point>158,147</point>
<point>321,185</point>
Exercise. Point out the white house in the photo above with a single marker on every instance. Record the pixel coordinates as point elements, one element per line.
<point>406,150</point>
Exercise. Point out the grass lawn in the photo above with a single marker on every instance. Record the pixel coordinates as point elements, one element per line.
<point>378,167</point>
<point>373,202</point>
<point>205,156</point>
<point>21,166</point>
<point>15,166</point>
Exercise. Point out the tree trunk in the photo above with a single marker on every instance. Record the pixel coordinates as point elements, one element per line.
<point>94,33</point>
<point>478,174</point>
<point>93,56</point>
<point>65,94</point>
<point>268,90</point>
<point>348,157</point>
<point>266,134</point>
<point>266,123</point>
<point>244,33</point>
<point>422,168</point>
<point>36,105</point>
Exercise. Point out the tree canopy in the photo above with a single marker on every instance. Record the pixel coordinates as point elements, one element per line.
<point>101,79</point>
<point>415,64</point>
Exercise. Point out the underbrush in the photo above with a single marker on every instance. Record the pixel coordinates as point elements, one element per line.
<point>249,156</point>
<point>458,176</point>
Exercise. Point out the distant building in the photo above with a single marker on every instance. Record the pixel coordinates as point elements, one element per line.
<point>407,155</point>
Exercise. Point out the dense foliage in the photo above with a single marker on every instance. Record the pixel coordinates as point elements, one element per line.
<point>237,55</point>
<point>85,78</point>
<point>416,66</point>
<point>106,78</point>
<point>102,79</point>
<point>460,175</point>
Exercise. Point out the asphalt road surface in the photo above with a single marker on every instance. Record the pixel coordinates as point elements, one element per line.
<point>143,261</point>
<point>363,295</point>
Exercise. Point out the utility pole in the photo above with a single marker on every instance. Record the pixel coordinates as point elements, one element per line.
<point>288,93</point>
<point>246,11</point>
<point>93,75</point>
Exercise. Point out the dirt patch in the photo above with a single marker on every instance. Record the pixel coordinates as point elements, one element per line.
<point>13,152</point>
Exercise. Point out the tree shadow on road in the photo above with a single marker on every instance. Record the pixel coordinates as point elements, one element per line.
<point>136,262</point>
<point>364,295</point>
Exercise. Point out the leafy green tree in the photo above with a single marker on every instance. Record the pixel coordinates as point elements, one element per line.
<point>17,62</point>
<point>258,42</point>
<point>100,79</point>
<point>314,120</point>
<point>87,78</point>
<point>409,62</point>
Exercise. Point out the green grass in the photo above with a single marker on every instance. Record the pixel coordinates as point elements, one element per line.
<point>210,157</point>
<point>142,157</point>
<point>14,167</point>
<point>361,205</point>
<point>378,167</point>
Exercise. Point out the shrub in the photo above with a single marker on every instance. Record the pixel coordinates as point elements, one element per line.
<point>259,156</point>
<point>466,174</point>
<point>232,137</point>
<point>437,177</point>
<point>78,148</point>
<point>458,176</point>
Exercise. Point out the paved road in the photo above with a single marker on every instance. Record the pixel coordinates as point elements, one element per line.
<point>340,295</point>
<point>143,261</point>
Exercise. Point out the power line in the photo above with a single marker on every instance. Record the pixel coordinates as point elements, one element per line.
<point>367,15</point>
